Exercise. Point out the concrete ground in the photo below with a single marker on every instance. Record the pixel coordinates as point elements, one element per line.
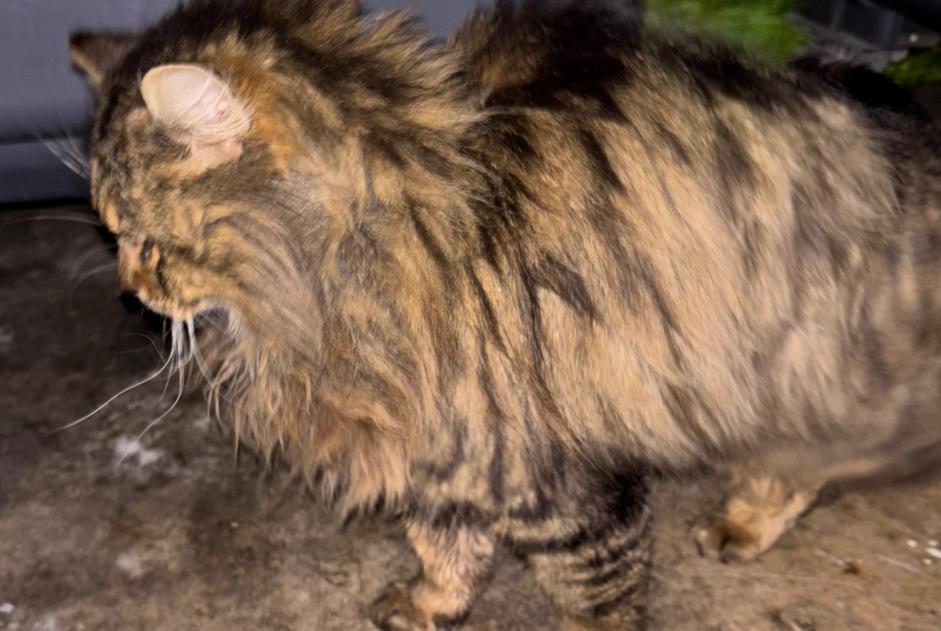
<point>182,534</point>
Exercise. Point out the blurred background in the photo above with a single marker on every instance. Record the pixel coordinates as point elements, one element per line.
<point>45,105</point>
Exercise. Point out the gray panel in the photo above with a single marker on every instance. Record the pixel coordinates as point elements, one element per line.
<point>442,16</point>
<point>29,171</point>
<point>49,97</point>
<point>44,97</point>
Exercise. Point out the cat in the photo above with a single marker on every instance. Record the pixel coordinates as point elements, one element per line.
<point>493,284</point>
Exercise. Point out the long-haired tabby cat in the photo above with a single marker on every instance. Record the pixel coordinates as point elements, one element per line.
<point>492,283</point>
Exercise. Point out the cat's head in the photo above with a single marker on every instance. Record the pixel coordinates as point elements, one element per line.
<point>235,143</point>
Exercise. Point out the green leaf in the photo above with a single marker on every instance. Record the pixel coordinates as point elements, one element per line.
<point>919,69</point>
<point>761,28</point>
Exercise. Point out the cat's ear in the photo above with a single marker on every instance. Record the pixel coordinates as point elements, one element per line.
<point>195,103</point>
<point>97,53</point>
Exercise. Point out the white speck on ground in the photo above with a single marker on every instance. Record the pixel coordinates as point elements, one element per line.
<point>911,543</point>
<point>935,552</point>
<point>126,448</point>
<point>48,623</point>
<point>131,563</point>
<point>7,608</point>
<point>827,555</point>
<point>6,338</point>
<point>914,569</point>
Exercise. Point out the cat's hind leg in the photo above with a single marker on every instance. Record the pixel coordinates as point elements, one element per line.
<point>596,565</point>
<point>758,510</point>
<point>766,499</point>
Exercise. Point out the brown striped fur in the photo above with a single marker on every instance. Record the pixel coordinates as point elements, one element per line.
<point>492,283</point>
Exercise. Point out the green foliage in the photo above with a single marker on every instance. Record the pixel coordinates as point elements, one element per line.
<point>760,27</point>
<point>919,69</point>
<point>763,29</point>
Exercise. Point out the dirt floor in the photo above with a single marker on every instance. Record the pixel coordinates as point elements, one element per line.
<point>183,535</point>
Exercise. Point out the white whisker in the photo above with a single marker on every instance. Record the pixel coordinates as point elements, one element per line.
<point>73,160</point>
<point>175,349</point>
<point>65,147</point>
<point>77,151</point>
<point>73,217</point>
<point>80,261</point>
<point>95,270</point>
<point>109,401</point>
<point>87,275</point>
<point>153,344</point>
<point>172,407</point>
<point>194,349</point>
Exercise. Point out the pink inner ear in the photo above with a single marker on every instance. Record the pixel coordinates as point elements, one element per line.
<point>195,101</point>
<point>211,106</point>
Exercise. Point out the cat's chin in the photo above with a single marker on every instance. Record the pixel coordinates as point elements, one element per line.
<point>178,312</point>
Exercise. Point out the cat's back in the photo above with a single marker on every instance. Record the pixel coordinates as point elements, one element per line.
<point>723,219</point>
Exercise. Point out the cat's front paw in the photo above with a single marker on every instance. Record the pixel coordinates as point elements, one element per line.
<point>394,610</point>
